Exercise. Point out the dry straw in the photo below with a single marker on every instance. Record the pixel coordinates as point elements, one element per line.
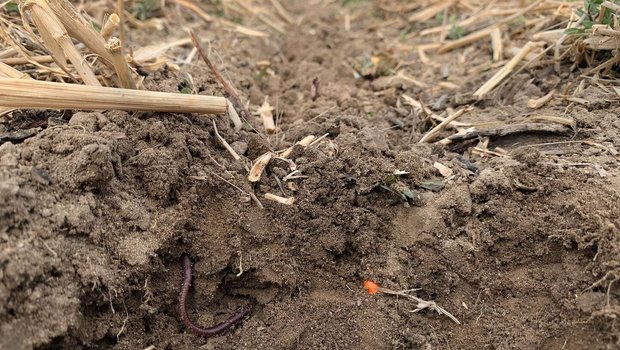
<point>56,39</point>
<point>21,93</point>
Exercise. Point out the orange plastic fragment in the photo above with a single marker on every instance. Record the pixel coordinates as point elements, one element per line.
<point>371,287</point>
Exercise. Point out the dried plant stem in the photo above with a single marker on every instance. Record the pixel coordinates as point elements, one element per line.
<point>115,48</point>
<point>466,40</point>
<point>282,12</point>
<point>239,28</point>
<point>503,73</point>
<point>10,72</point>
<point>585,142</point>
<point>549,36</point>
<point>120,7</point>
<point>57,40</point>
<point>305,142</point>
<point>20,93</point>
<point>8,52</point>
<point>437,129</point>
<point>14,61</point>
<point>80,29</point>
<point>226,145</point>
<point>266,114</point>
<point>496,43</point>
<point>475,36</point>
<point>539,102</point>
<point>110,26</point>
<point>281,200</point>
<point>268,20</point>
<point>225,84</point>
<point>421,303</point>
<point>234,117</point>
<point>431,11</point>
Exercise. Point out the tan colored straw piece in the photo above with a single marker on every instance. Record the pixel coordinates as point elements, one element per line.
<point>20,93</point>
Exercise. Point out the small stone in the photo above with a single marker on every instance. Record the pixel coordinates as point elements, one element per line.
<point>240,147</point>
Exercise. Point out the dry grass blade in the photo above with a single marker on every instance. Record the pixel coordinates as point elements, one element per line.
<point>20,93</point>
<point>80,28</point>
<point>239,28</point>
<point>475,36</point>
<point>437,129</point>
<point>225,143</point>
<point>282,12</point>
<point>503,73</point>
<point>56,39</point>
<point>151,52</point>
<point>430,12</point>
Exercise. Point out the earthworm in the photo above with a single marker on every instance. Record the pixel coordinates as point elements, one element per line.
<point>210,331</point>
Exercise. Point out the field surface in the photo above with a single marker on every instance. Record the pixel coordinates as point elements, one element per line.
<point>507,218</point>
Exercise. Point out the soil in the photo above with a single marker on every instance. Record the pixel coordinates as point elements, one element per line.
<point>98,208</point>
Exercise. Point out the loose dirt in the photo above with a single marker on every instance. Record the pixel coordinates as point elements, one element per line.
<point>98,208</point>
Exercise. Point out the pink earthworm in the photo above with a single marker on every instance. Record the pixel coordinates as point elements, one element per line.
<point>197,330</point>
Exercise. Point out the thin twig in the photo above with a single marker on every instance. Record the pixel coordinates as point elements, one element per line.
<point>225,84</point>
<point>421,303</point>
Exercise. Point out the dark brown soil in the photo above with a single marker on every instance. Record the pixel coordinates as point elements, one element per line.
<point>98,208</point>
